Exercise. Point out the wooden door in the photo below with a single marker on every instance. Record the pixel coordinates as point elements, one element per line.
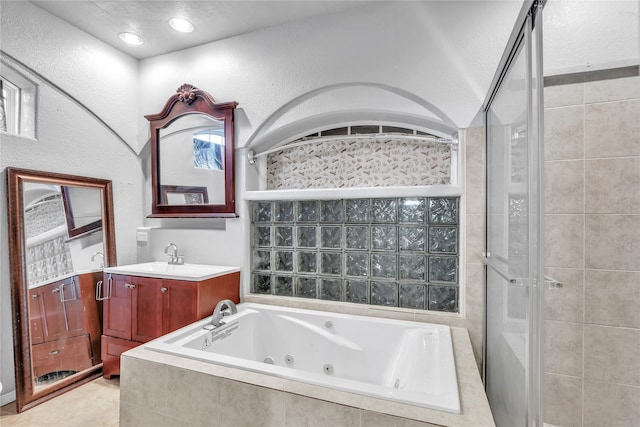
<point>179,304</point>
<point>117,306</point>
<point>146,308</point>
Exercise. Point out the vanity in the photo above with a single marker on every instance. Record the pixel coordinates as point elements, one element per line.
<point>144,301</point>
<point>65,324</point>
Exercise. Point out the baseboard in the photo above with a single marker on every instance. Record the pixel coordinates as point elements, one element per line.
<point>7,397</point>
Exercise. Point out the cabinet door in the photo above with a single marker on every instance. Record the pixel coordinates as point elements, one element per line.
<point>92,310</point>
<point>36,317</point>
<point>180,301</point>
<point>69,289</point>
<point>55,321</point>
<point>117,306</point>
<point>146,309</point>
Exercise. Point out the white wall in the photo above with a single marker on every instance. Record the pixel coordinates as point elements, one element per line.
<point>439,53</point>
<point>399,62</point>
<point>101,77</point>
<point>590,35</point>
<point>69,139</point>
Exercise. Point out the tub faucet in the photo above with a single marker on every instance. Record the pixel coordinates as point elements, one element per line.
<point>101,255</point>
<point>174,259</point>
<point>219,313</point>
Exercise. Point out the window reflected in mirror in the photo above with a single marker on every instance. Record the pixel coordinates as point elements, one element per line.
<point>191,156</point>
<point>208,150</point>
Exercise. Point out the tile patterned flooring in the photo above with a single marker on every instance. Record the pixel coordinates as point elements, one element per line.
<point>95,404</point>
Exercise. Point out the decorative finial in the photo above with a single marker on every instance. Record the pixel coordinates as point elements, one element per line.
<point>186,94</point>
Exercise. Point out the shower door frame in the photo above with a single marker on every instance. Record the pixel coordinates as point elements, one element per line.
<point>527,32</point>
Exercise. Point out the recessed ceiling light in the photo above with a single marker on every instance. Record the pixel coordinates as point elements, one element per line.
<point>180,24</point>
<point>131,38</point>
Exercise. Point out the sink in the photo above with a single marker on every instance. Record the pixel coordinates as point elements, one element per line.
<point>164,270</point>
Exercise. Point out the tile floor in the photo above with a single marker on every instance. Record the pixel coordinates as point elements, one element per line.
<point>95,404</point>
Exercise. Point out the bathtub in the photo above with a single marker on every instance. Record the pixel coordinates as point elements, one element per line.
<point>406,362</point>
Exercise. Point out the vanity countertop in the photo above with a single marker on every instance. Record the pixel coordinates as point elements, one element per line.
<point>164,270</point>
<point>63,277</point>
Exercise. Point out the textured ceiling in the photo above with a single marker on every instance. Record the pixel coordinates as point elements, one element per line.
<point>213,20</point>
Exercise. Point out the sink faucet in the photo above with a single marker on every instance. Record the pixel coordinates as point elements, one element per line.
<point>174,259</point>
<point>101,255</point>
<point>219,313</point>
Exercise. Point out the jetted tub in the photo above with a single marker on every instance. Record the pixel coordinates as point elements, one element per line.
<point>407,362</point>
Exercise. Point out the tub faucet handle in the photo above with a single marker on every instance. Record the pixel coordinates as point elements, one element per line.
<point>219,313</point>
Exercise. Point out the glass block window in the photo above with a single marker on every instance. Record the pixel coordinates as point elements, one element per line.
<point>397,252</point>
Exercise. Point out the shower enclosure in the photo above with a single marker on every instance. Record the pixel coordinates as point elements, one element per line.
<point>513,124</point>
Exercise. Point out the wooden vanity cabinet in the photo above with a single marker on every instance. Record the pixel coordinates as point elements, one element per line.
<point>65,325</point>
<point>140,309</point>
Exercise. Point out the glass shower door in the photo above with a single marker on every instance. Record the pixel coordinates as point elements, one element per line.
<point>512,256</point>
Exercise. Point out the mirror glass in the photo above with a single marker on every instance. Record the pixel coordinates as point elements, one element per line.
<point>83,209</point>
<point>61,236</point>
<point>192,161</point>
<point>52,251</point>
<point>192,152</point>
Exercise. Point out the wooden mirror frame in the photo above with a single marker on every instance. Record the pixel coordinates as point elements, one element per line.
<point>189,100</point>
<point>73,230</point>
<point>26,396</point>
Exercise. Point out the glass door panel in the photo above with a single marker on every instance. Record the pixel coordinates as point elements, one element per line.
<point>513,233</point>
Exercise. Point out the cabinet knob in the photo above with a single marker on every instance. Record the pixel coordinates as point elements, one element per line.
<point>54,352</point>
<point>163,290</point>
<point>34,296</point>
<point>55,290</point>
<point>129,285</point>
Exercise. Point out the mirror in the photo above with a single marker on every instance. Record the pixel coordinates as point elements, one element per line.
<point>61,235</point>
<point>192,162</point>
<point>82,208</point>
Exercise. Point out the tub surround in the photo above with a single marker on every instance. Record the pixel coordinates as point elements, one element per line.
<point>406,362</point>
<point>170,390</point>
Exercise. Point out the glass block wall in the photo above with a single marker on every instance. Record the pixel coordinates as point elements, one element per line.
<point>399,252</point>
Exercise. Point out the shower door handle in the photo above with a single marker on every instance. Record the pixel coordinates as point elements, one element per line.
<point>490,263</point>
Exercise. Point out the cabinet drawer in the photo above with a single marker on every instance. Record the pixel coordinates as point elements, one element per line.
<point>112,348</point>
<point>70,354</point>
<point>115,346</point>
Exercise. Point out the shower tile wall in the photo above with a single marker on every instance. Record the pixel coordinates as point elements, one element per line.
<point>474,154</point>
<point>592,234</point>
<point>390,252</point>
